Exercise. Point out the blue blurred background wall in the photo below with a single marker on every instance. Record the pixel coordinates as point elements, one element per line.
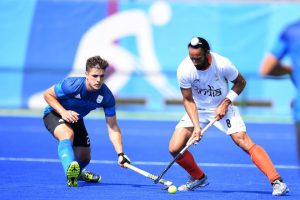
<point>43,41</point>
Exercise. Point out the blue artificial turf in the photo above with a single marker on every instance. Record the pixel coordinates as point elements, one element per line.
<point>29,167</point>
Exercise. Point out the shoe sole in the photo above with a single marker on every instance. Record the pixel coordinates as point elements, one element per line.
<point>198,186</point>
<point>91,181</point>
<point>72,174</point>
<point>202,185</point>
<point>96,181</point>
<point>283,193</point>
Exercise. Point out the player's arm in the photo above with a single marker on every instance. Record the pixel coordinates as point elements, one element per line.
<point>115,137</point>
<point>192,111</point>
<point>68,115</point>
<point>273,67</point>
<point>239,84</point>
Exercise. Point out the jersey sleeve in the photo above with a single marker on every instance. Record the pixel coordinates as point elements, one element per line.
<point>182,78</point>
<point>230,71</point>
<point>109,106</point>
<point>66,88</point>
<point>110,111</point>
<point>280,47</point>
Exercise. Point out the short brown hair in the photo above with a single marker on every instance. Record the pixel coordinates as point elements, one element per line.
<point>96,62</point>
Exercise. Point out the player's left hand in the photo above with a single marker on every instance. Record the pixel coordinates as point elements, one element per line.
<point>222,108</point>
<point>196,136</point>
<point>122,158</point>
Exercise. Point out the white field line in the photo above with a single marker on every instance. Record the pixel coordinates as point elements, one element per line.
<point>109,162</point>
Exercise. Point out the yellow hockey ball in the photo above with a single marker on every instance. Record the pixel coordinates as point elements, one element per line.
<point>172,189</point>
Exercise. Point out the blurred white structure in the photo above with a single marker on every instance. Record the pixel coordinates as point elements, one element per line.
<point>102,39</point>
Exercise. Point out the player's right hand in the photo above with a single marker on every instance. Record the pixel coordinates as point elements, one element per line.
<point>222,108</point>
<point>70,116</point>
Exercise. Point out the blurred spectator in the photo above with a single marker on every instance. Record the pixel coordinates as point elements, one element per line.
<point>288,44</point>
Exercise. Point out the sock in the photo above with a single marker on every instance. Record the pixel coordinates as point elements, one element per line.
<point>188,163</point>
<point>65,153</point>
<point>82,165</point>
<point>261,159</point>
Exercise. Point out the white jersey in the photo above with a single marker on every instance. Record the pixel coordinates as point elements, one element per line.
<point>210,86</point>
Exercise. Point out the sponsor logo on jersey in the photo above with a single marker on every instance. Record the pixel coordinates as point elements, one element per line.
<point>99,99</point>
<point>209,91</point>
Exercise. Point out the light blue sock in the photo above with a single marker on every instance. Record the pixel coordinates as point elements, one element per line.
<point>65,153</point>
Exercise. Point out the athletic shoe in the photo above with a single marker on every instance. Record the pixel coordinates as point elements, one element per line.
<point>72,174</point>
<point>192,184</point>
<point>279,188</point>
<point>89,177</point>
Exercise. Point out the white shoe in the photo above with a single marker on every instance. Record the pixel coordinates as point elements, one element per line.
<point>192,184</point>
<point>279,188</point>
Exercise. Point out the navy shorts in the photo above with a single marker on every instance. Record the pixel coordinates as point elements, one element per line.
<point>81,137</point>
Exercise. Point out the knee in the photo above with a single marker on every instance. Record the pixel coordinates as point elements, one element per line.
<point>173,150</point>
<point>240,142</point>
<point>179,139</point>
<point>65,136</point>
<point>244,142</point>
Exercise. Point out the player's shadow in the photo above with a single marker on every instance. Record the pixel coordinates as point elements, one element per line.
<point>246,191</point>
<point>234,191</point>
<point>85,184</point>
<point>251,192</point>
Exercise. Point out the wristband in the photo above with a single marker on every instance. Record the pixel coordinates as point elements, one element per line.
<point>121,154</point>
<point>232,95</point>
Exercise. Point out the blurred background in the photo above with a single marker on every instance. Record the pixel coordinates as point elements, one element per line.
<point>43,41</point>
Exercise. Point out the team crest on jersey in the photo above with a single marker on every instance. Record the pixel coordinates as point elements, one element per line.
<point>78,96</point>
<point>216,77</point>
<point>99,99</point>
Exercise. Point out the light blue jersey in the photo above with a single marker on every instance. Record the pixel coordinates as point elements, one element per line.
<point>73,95</point>
<point>289,44</point>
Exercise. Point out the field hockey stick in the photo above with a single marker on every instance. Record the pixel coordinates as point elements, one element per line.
<point>189,143</point>
<point>148,175</point>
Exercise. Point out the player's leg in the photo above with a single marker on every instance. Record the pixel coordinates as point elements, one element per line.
<point>64,134</point>
<point>258,155</point>
<point>82,150</point>
<point>82,155</point>
<point>83,158</point>
<point>233,125</point>
<point>262,160</point>
<point>177,142</point>
<point>186,161</point>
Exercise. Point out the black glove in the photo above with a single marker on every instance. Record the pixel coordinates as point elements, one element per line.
<point>122,158</point>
